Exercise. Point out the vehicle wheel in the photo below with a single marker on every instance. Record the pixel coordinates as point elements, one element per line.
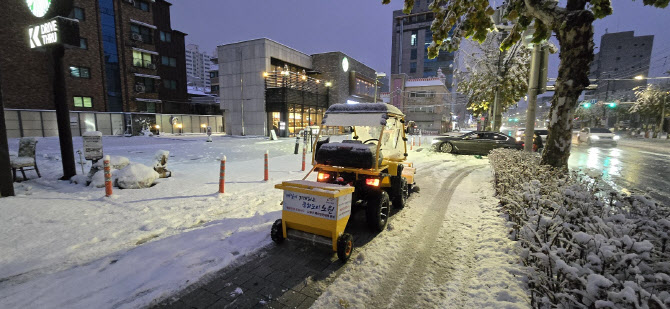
<point>400,194</point>
<point>276,233</point>
<point>377,211</point>
<point>345,246</point>
<point>447,147</point>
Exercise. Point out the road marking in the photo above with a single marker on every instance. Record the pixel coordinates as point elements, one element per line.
<point>655,153</point>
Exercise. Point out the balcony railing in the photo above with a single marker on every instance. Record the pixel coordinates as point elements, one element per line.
<point>293,80</point>
<point>148,64</point>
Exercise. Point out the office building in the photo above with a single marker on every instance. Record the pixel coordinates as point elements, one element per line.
<point>265,85</point>
<point>198,65</point>
<point>128,70</point>
<point>411,36</point>
<point>621,57</point>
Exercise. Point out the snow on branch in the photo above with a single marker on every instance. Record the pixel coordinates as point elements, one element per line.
<point>584,248</point>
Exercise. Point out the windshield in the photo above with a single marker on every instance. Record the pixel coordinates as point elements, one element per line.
<point>600,130</point>
<point>542,132</point>
<point>392,145</point>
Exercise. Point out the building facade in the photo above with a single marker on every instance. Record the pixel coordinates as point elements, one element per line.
<point>265,85</point>
<point>198,65</point>
<point>622,56</point>
<point>411,35</point>
<point>424,101</point>
<point>129,60</point>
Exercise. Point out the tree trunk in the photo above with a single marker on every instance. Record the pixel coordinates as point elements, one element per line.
<point>576,54</point>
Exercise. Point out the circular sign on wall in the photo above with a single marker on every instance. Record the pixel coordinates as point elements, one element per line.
<point>345,64</point>
<point>49,8</point>
<point>39,8</point>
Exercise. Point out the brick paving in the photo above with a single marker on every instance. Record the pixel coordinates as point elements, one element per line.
<point>291,275</point>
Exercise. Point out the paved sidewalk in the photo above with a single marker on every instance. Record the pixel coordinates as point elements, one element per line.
<point>292,275</point>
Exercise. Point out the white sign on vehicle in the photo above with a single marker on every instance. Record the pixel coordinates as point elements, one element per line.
<point>329,208</point>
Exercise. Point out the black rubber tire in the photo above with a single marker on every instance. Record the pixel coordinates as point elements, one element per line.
<point>378,210</point>
<point>277,233</point>
<point>447,147</point>
<point>400,194</point>
<point>345,246</point>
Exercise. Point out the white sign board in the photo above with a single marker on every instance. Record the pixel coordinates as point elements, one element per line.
<point>330,208</point>
<point>92,145</point>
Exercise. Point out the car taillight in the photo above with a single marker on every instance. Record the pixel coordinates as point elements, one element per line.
<point>323,176</point>
<point>372,182</point>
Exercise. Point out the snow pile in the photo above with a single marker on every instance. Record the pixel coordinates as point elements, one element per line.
<point>136,176</point>
<point>584,248</point>
<point>115,162</point>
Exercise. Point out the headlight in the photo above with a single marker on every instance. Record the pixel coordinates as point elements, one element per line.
<point>518,138</point>
<point>595,137</point>
<point>617,137</point>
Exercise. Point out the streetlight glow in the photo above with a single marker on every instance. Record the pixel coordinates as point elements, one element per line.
<point>639,77</point>
<point>328,84</point>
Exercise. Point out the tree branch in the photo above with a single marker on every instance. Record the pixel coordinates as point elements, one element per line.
<point>549,15</point>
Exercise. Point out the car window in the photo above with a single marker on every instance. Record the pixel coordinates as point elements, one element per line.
<point>542,132</point>
<point>499,137</point>
<point>600,130</point>
<point>486,136</point>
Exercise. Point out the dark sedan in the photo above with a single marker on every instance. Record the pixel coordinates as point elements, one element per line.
<point>478,142</point>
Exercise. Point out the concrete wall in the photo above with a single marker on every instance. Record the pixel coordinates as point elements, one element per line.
<point>241,67</point>
<point>330,66</point>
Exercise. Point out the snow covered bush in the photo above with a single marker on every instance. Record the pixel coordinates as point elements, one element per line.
<point>583,247</point>
<point>136,176</point>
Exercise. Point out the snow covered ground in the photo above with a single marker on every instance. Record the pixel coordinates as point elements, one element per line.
<point>67,246</point>
<point>447,249</point>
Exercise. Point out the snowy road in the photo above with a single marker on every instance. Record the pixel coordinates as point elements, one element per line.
<point>632,166</point>
<point>447,249</point>
<point>66,246</point>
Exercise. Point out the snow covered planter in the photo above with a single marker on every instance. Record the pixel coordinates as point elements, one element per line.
<point>582,248</point>
<point>136,176</point>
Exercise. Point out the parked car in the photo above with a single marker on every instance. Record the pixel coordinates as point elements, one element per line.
<point>477,142</point>
<point>593,136</point>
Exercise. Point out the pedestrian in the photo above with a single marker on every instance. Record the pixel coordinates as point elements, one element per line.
<point>537,143</point>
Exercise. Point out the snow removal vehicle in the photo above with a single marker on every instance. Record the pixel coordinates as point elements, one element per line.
<point>367,168</point>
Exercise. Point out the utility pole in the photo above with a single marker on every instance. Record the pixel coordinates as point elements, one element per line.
<point>665,99</point>
<point>533,91</point>
<point>62,113</point>
<point>6,181</point>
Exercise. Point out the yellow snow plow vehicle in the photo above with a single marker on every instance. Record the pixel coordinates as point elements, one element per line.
<point>367,168</point>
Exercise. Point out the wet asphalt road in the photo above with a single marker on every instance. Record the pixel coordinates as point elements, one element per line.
<point>635,166</point>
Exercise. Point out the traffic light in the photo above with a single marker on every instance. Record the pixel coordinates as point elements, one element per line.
<point>586,105</point>
<point>612,104</point>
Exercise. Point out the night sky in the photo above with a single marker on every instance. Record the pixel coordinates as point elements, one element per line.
<point>362,28</point>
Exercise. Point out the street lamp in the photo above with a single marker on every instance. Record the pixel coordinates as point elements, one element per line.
<point>328,84</point>
<point>639,77</point>
<point>179,127</point>
<point>203,126</point>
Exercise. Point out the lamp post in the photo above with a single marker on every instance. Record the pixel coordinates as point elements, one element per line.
<point>179,126</point>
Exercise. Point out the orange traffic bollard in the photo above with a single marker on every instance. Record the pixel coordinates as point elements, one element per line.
<point>266,165</point>
<point>411,146</point>
<point>108,177</point>
<point>419,141</point>
<point>222,175</point>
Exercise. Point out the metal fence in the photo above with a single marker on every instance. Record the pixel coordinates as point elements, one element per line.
<point>42,123</point>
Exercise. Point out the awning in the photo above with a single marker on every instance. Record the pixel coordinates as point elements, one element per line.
<point>143,24</point>
<point>145,51</point>
<point>148,100</point>
<point>147,76</point>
